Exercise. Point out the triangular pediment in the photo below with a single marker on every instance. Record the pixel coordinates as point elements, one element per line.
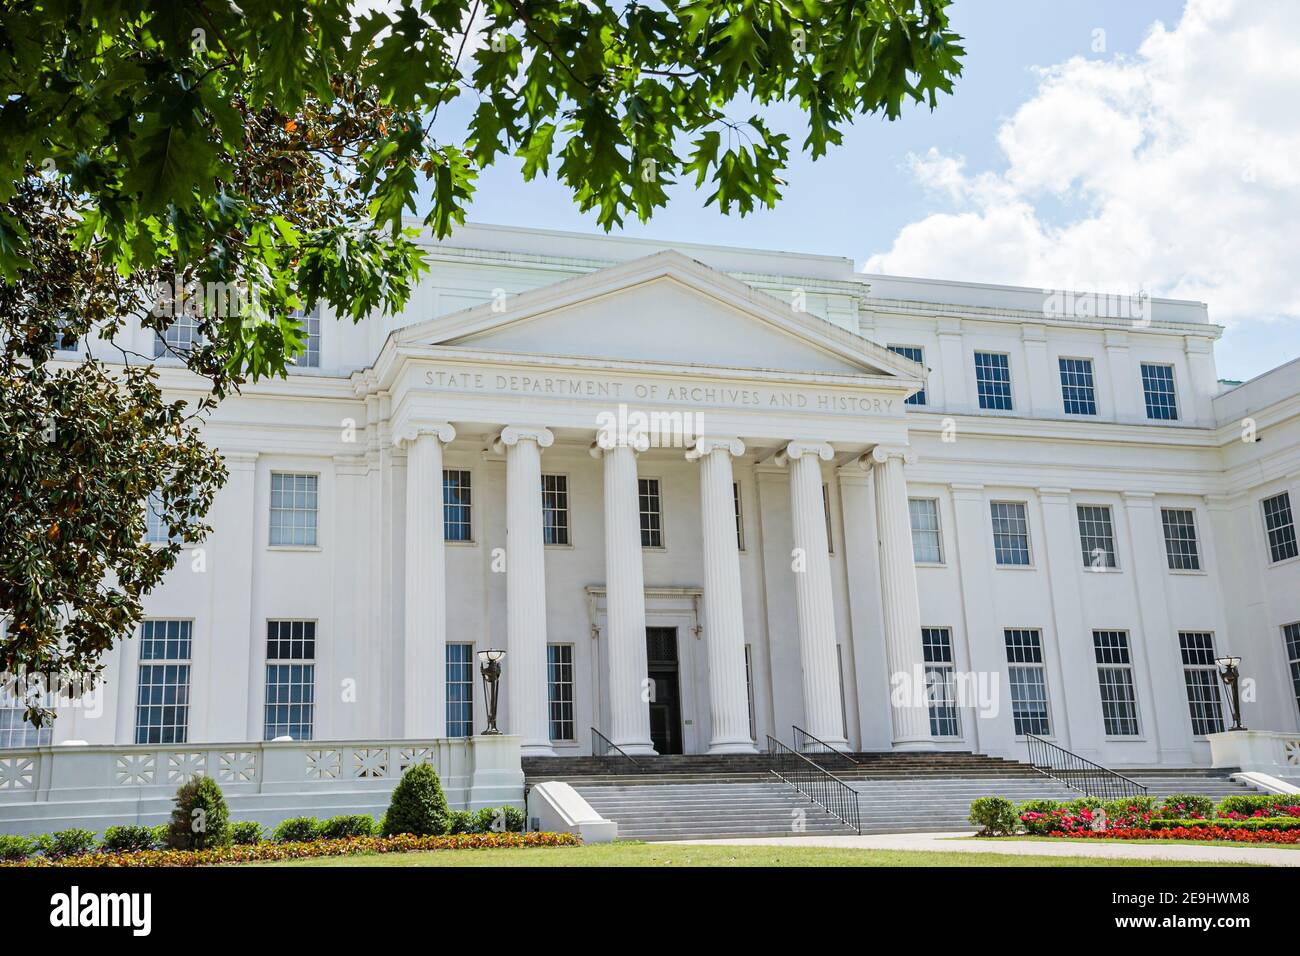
<point>668,309</point>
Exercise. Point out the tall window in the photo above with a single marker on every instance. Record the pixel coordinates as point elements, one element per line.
<point>15,730</point>
<point>559,689</point>
<point>457,504</point>
<point>460,690</point>
<point>1201,676</point>
<point>1280,527</point>
<point>290,679</point>
<point>740,521</point>
<point>155,529</point>
<point>555,509</point>
<point>1028,681</point>
<point>1158,390</point>
<point>65,341</point>
<point>180,336</point>
<point>917,355</point>
<point>749,690</point>
<point>293,509</point>
<point>993,380</point>
<point>1291,635</point>
<point>940,681</point>
<point>1115,677</point>
<point>1078,395</point>
<point>1096,536</point>
<point>162,703</point>
<point>1010,532</point>
<point>1181,549</point>
<point>310,357</point>
<point>927,548</point>
<point>652,516</point>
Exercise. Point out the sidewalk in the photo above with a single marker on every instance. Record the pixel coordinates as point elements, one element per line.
<point>945,843</point>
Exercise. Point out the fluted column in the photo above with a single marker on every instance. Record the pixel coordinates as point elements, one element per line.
<point>424,644</point>
<point>525,671</point>
<point>625,648</point>
<point>901,605</point>
<point>724,623</point>
<point>814,604</point>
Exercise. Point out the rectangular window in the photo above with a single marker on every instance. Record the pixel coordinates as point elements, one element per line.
<point>927,548</point>
<point>555,509</point>
<point>155,530</point>
<point>1158,389</point>
<point>917,355</point>
<point>15,730</point>
<point>1181,549</point>
<point>993,380</point>
<point>940,681</point>
<point>559,689</point>
<point>180,337</point>
<point>1028,681</point>
<point>1291,635</point>
<point>740,521</point>
<point>1280,527</point>
<point>1201,675</point>
<point>1115,677</point>
<point>749,690</point>
<point>310,357</point>
<point>290,679</point>
<point>1078,395</point>
<point>457,505</point>
<point>652,516</point>
<point>65,341</point>
<point>460,690</point>
<point>162,703</point>
<point>1010,533</point>
<point>293,510</point>
<point>1096,536</point>
<point>826,512</point>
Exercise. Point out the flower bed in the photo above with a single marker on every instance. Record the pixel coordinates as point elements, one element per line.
<point>1200,831</point>
<point>261,852</point>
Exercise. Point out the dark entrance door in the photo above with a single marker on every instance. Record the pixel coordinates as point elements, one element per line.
<point>665,689</point>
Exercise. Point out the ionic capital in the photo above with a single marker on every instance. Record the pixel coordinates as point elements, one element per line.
<point>513,434</point>
<point>409,432</point>
<point>709,444</point>
<point>883,453</point>
<point>798,448</point>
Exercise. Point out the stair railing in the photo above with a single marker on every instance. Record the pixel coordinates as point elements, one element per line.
<point>602,745</point>
<point>816,783</point>
<point>1080,773</point>
<point>814,747</point>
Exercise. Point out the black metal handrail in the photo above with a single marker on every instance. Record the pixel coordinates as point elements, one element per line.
<point>814,747</point>
<point>1080,773</point>
<point>602,745</point>
<point>816,783</point>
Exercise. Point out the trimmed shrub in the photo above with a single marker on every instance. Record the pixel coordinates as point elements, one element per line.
<point>994,816</point>
<point>1278,824</point>
<point>129,839</point>
<point>460,821</point>
<point>514,820</point>
<point>61,843</point>
<point>246,833</point>
<point>16,847</point>
<point>353,825</point>
<point>160,834</point>
<point>418,806</point>
<point>1130,811</point>
<point>1242,806</point>
<point>1040,816</point>
<point>200,820</point>
<point>1186,806</point>
<point>296,830</point>
<point>490,820</point>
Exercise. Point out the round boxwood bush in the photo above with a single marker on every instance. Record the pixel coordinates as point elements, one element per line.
<point>16,847</point>
<point>418,806</point>
<point>351,825</point>
<point>129,838</point>
<point>514,820</point>
<point>296,830</point>
<point>246,833</point>
<point>200,819</point>
<point>995,816</point>
<point>460,821</point>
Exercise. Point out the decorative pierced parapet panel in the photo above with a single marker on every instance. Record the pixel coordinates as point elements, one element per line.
<point>1291,752</point>
<point>370,763</point>
<point>182,768</point>
<point>17,773</point>
<point>323,765</point>
<point>237,766</point>
<point>135,770</point>
<point>413,755</point>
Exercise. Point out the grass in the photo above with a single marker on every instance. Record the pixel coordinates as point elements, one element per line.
<point>660,854</point>
<point>1094,840</point>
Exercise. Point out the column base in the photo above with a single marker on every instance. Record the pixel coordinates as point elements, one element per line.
<point>732,747</point>
<point>920,743</point>
<point>536,750</point>
<point>838,743</point>
<point>637,750</point>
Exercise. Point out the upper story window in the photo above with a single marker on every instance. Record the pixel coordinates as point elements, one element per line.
<point>826,513</point>
<point>457,505</point>
<point>155,529</point>
<point>1280,527</point>
<point>740,522</point>
<point>180,336</point>
<point>1096,536</point>
<point>1181,548</point>
<point>652,515</point>
<point>1078,394</point>
<point>555,509</point>
<point>927,548</point>
<point>310,356</point>
<point>993,380</point>
<point>293,510</point>
<point>1010,532</point>
<point>1158,389</point>
<point>917,355</point>
<point>65,341</point>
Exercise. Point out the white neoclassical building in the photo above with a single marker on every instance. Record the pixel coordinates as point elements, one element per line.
<point>701,494</point>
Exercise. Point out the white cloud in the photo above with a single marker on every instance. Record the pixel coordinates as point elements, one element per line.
<point>1174,170</point>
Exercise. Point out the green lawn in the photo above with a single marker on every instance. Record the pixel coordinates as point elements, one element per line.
<point>1037,839</point>
<point>659,854</point>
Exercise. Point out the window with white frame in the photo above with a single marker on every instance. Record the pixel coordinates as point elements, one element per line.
<point>290,680</point>
<point>180,337</point>
<point>457,505</point>
<point>15,729</point>
<point>749,691</point>
<point>1078,393</point>
<point>940,681</point>
<point>740,521</point>
<point>555,509</point>
<point>993,380</point>
<point>1010,533</point>
<point>293,509</point>
<point>1201,676</point>
<point>1115,678</point>
<point>460,690</point>
<point>652,515</point>
<point>1279,525</point>
<point>1181,549</point>
<point>65,341</point>
<point>927,547</point>
<point>917,355</point>
<point>1158,391</point>
<point>1291,637</point>
<point>559,690</point>
<point>1028,681</point>
<point>310,356</point>
<point>156,530</point>
<point>1096,536</point>
<point>162,703</point>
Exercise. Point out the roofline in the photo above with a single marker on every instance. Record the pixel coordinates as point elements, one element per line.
<point>1003,287</point>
